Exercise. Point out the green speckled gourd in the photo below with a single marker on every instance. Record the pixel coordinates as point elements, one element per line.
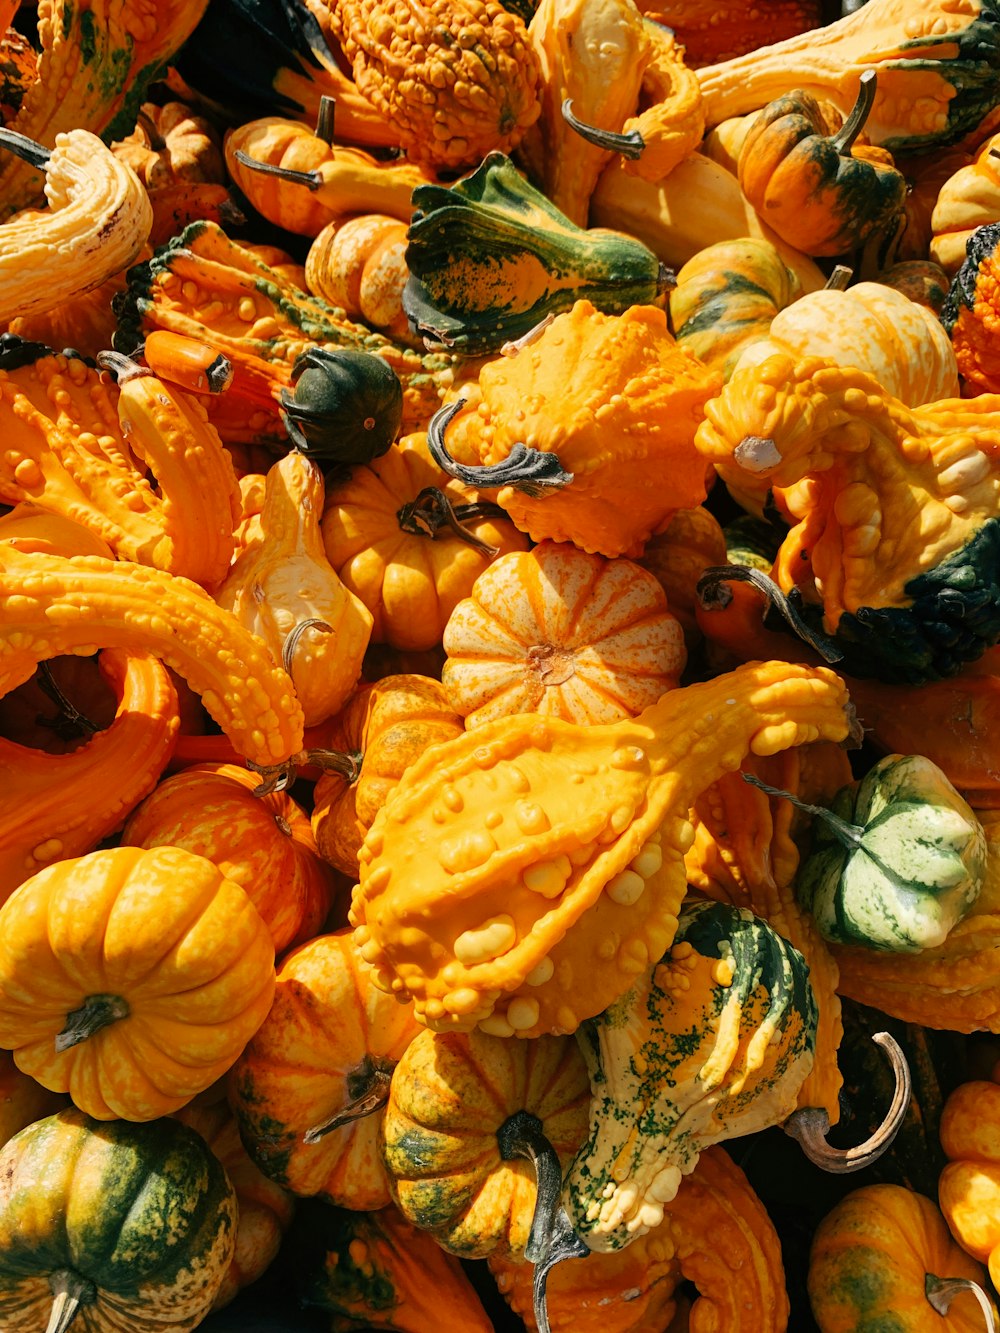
<point>896,862</point>
<point>490,257</point>
<point>346,406</point>
<point>893,559</point>
<point>131,1226</point>
<point>713,1043</point>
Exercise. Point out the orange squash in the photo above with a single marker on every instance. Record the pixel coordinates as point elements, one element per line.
<point>22,1099</point>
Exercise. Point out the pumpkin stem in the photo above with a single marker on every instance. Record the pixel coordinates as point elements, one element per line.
<point>839,278</point>
<point>293,636</point>
<point>122,367</point>
<point>713,595</point>
<point>850,835</point>
<point>70,722</point>
<point>312,180</point>
<point>368,1088</point>
<point>325,118</point>
<point>432,510</point>
<point>941,1291</point>
<point>26,149</point>
<point>348,765</point>
<point>145,122</point>
<point>810,1124</point>
<point>528,470</point>
<point>69,1292</point>
<point>631,145</point>
<point>96,1012</point>
<point>552,1238</point>
<point>843,140</point>
<point>526,339</point>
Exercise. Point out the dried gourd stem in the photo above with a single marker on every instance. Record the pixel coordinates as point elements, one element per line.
<point>941,1291</point>
<point>432,510</point>
<point>26,149</point>
<point>230,214</point>
<point>145,122</point>
<point>531,471</point>
<point>839,279</point>
<point>312,180</point>
<point>96,1012</point>
<point>368,1089</point>
<point>122,367</point>
<point>711,593</point>
<point>277,777</point>
<point>844,139</point>
<point>631,145</point>
<point>325,118</point>
<point>526,339</point>
<point>293,636</point>
<point>70,721</point>
<point>552,1238</point>
<point>70,1291</point>
<point>811,1124</point>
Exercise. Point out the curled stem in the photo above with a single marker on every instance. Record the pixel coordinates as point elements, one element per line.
<point>631,145</point>
<point>710,593</point>
<point>529,470</point>
<point>941,1291</point>
<point>432,510</point>
<point>293,636</point>
<point>368,1089</point>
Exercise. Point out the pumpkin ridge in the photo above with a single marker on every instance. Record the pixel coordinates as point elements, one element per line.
<point>459,1050</point>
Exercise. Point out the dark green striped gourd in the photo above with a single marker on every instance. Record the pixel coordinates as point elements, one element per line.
<point>713,1043</point>
<point>130,1226</point>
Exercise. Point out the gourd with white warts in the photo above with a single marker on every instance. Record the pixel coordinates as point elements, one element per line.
<point>559,871</point>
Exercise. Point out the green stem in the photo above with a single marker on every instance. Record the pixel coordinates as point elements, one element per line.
<point>26,149</point>
<point>312,180</point>
<point>531,471</point>
<point>941,1291</point>
<point>855,122</point>
<point>713,595</point>
<point>69,1292</point>
<point>96,1012</point>
<point>631,145</point>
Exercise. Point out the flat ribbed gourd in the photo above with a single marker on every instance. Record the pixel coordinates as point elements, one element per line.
<point>714,1042</point>
<point>893,562</point>
<point>522,876</point>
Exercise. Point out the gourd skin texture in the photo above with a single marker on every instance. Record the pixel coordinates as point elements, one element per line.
<point>678,556</point>
<point>450,1095</point>
<point>969,313</point>
<point>869,1259</point>
<point>905,601</point>
<point>189,983</point>
<point>917,870</point>
<point>143,1214</point>
<point>714,31</point>
<point>558,845</point>
<point>359,264</point>
<point>327,1032</point>
<point>969,1186</point>
<point>559,632</point>
<point>658,1098</point>
<point>968,199</point>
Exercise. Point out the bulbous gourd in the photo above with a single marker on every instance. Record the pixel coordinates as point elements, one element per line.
<point>346,406</point>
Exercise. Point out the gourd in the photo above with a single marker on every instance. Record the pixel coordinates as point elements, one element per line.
<point>658,1097</point>
<point>264,1209</point>
<point>968,199</point>
<point>921,280</point>
<point>22,1100</point>
<point>128,1226</point>
<point>379,1271</point>
<point>726,297</point>
<point>713,32</point>
<point>93,68</point>
<point>62,805</point>
<point>605,400</point>
<point>936,70</point>
<point>171,143</point>
<point>86,323</point>
<point>309,1088</point>
<point>563,633</point>
<point>130,1008</point>
<point>457,83</point>
<point>564,844</point>
<point>81,603</point>
<point>344,407</point>
<point>819,191</point>
<point>208,287</point>
<point>283,589</point>
<point>490,257</point>
<point>359,264</point>
<point>969,1185</point>
<point>896,862</point>
<point>97,221</point>
<point>410,542</point>
<point>884,1253</point>
<point>464,1109</point>
<point>192,365</point>
<point>968,312</point>
<point>873,589</point>
<point>262,843</point>
<point>369,746</point>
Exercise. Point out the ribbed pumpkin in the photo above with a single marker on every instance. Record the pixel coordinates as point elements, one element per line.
<point>129,1227</point>
<point>263,843</point>
<point>328,1043</point>
<point>678,556</point>
<point>264,1210</point>
<point>384,728</point>
<point>557,631</point>
<point>462,1107</point>
<point>969,1186</point>
<point>22,1099</point>
<point>388,535</point>
<point>131,979</point>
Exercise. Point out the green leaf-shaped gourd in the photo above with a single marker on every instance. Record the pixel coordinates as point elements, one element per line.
<point>490,257</point>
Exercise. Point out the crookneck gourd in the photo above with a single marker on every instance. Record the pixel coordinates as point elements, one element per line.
<point>559,845</point>
<point>126,1226</point>
<point>560,632</point>
<point>891,565</point>
<point>52,604</point>
<point>491,256</point>
<point>131,978</point>
<point>595,401</point>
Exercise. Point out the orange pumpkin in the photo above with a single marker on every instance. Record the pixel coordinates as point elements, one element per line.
<point>22,1100</point>
<point>561,632</point>
<point>679,555</point>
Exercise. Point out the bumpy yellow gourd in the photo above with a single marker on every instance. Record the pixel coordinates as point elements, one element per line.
<point>556,873</point>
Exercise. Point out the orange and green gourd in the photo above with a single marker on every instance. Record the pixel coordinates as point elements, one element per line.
<point>559,868</point>
<point>969,313</point>
<point>111,1226</point>
<point>868,585</point>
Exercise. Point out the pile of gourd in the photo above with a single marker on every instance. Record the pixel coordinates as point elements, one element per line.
<point>499,668</point>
